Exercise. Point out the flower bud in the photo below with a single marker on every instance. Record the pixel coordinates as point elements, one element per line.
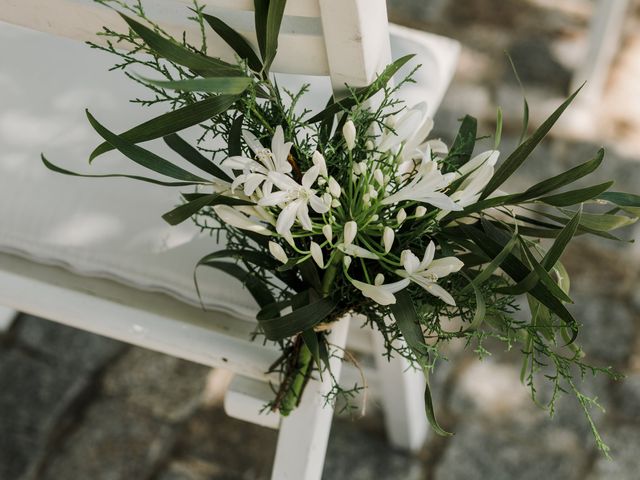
<point>387,239</point>
<point>349,132</point>
<point>316,254</point>
<point>327,231</point>
<point>420,211</point>
<point>373,193</point>
<point>334,187</point>
<point>335,203</point>
<point>363,167</point>
<point>350,232</point>
<point>378,176</point>
<point>379,280</point>
<point>278,252</point>
<point>369,145</point>
<point>356,169</point>
<point>327,198</point>
<point>402,216</point>
<point>347,261</point>
<point>318,161</point>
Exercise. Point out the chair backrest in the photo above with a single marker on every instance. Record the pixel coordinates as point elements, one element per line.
<point>347,40</point>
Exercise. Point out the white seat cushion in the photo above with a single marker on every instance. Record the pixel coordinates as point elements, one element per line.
<point>112,227</point>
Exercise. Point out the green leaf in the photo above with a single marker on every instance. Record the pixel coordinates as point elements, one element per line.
<point>172,122</point>
<point>274,20</point>
<point>179,54</point>
<point>57,169</point>
<point>564,178</point>
<point>494,264</point>
<point>574,197</point>
<point>225,85</point>
<point>261,8</point>
<point>628,202</point>
<point>407,320</point>
<point>513,267</point>
<point>194,157</point>
<point>236,41</point>
<point>235,137</point>
<point>498,134</point>
<point>481,307</point>
<point>256,287</point>
<point>183,212</point>
<point>463,144</point>
<point>603,222</point>
<point>144,157</point>
<point>362,94</point>
<point>517,158</point>
<point>299,320</point>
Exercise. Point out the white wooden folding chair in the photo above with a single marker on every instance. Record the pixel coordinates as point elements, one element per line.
<point>95,254</point>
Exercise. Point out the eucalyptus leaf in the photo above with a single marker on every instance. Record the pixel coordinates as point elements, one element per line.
<point>223,85</point>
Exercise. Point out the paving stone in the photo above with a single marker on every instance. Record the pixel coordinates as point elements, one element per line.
<point>75,349</point>
<point>359,451</point>
<point>35,396</point>
<point>507,450</point>
<point>115,441</point>
<point>165,386</point>
<point>628,396</point>
<point>213,446</point>
<point>624,441</point>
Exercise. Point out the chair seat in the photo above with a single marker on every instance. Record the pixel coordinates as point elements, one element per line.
<point>112,228</point>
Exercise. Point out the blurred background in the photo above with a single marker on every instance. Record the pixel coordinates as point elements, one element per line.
<point>78,406</point>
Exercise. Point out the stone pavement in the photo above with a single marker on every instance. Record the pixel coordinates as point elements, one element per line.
<point>78,406</point>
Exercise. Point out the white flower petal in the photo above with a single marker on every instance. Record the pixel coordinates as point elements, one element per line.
<point>350,232</point>
<point>286,218</point>
<point>410,262</point>
<point>278,252</point>
<point>376,293</point>
<point>252,141</point>
<point>387,238</point>
<point>310,176</point>
<point>319,161</point>
<point>273,199</point>
<point>327,231</point>
<point>429,253</point>
<point>303,216</point>
<point>318,205</point>
<point>236,219</point>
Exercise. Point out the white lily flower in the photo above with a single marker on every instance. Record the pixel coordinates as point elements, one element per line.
<point>296,199</point>
<point>319,161</point>
<point>387,239</point>
<point>316,254</point>
<point>410,127</point>
<point>425,187</point>
<point>239,220</point>
<point>350,232</point>
<point>381,294</point>
<point>327,231</point>
<point>349,133</point>
<point>479,171</point>
<point>357,251</point>
<point>278,252</point>
<point>427,272</point>
<point>256,171</point>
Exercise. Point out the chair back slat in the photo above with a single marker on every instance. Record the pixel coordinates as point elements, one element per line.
<point>345,39</point>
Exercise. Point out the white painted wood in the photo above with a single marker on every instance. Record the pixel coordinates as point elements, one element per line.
<point>402,394</point>
<point>304,434</point>
<point>301,46</point>
<point>357,40</point>
<point>604,40</point>
<point>150,320</point>
<point>7,316</point>
<point>298,8</point>
<point>246,398</point>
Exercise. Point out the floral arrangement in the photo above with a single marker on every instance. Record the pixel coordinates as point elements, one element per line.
<point>354,209</point>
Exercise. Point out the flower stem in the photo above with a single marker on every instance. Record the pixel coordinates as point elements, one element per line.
<point>330,273</point>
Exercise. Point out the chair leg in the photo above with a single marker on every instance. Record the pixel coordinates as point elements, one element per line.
<point>304,434</point>
<point>402,393</point>
<point>7,316</point>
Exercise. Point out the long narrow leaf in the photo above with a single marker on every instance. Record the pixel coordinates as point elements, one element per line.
<point>61,170</point>
<point>224,85</point>
<point>517,158</point>
<point>177,53</point>
<point>463,144</point>
<point>183,212</point>
<point>235,41</point>
<point>299,320</point>
<point>406,318</point>
<point>142,156</point>
<point>257,288</point>
<point>363,93</point>
<point>172,122</point>
<point>194,157</point>
<point>573,197</point>
<point>274,20</point>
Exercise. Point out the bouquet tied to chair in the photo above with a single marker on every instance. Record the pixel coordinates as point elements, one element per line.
<point>356,210</point>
